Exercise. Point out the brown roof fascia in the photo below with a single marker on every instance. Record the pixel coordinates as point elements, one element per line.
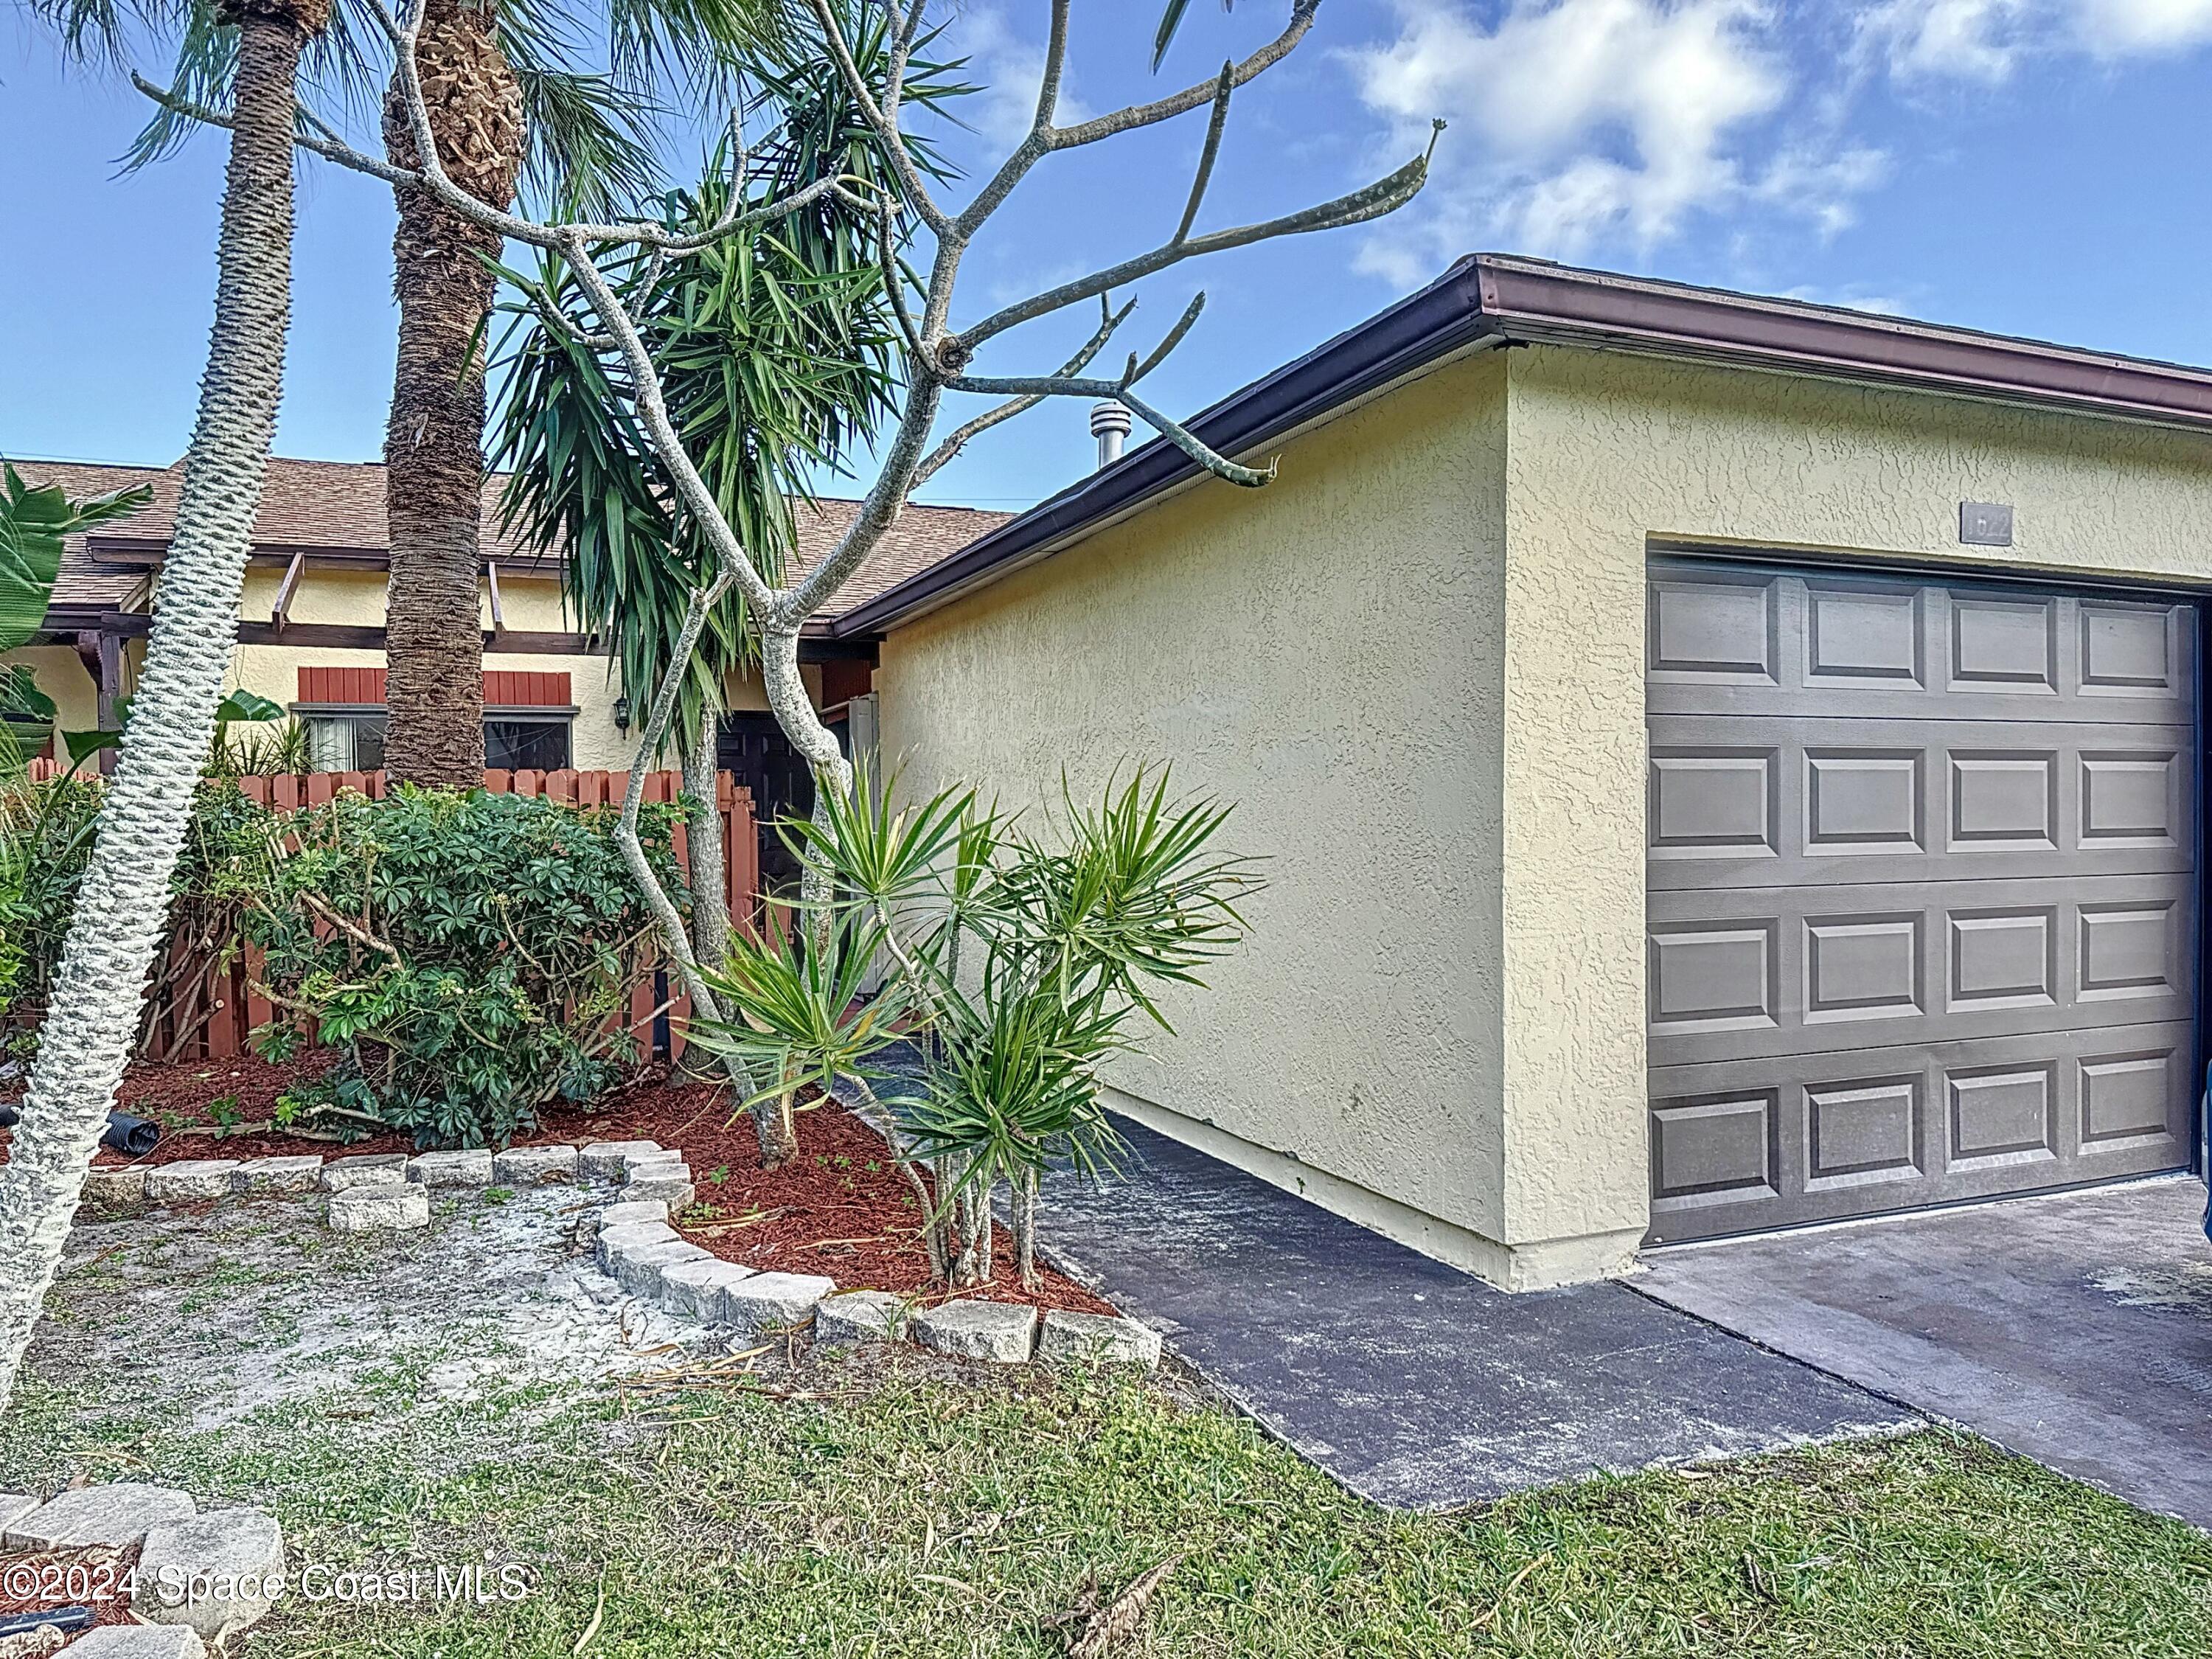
<point>1501,299</point>
<point>1535,301</point>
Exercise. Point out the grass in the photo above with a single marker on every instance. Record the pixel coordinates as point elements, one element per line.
<point>897,1514</point>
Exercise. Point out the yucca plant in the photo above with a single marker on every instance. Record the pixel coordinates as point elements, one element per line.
<point>1066,948</point>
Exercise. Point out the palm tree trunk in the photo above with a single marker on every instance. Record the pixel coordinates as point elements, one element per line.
<point>710,880</point>
<point>434,445</point>
<point>122,904</point>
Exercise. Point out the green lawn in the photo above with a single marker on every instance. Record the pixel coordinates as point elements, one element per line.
<point>893,1514</point>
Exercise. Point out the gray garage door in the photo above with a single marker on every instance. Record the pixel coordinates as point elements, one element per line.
<point>1921,893</point>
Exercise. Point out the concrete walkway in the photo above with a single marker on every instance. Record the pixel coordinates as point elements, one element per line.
<point>1414,1384</point>
<point>2075,1329</point>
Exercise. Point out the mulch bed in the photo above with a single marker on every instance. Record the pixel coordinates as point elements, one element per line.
<point>840,1208</point>
<point>100,1574</point>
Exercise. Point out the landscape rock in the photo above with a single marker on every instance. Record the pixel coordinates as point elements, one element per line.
<point>342,1175</point>
<point>1104,1338</point>
<point>215,1573</point>
<point>768,1302</point>
<point>114,1515</point>
<point>115,1188</point>
<point>634,1235</point>
<point>14,1506</point>
<point>276,1174</point>
<point>469,1166</point>
<point>851,1318</point>
<point>670,1183</point>
<point>638,1268</point>
<point>695,1288</point>
<point>193,1178</point>
<point>380,1209</point>
<point>1001,1332</point>
<point>533,1166</point>
<point>139,1641</point>
<point>609,1160</point>
<point>633,1213</point>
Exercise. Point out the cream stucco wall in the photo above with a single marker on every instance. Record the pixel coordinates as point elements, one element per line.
<point>1610,455</point>
<point>1429,636</point>
<point>1324,653</point>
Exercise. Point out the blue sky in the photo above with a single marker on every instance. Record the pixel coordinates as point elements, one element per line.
<point>2033,167</point>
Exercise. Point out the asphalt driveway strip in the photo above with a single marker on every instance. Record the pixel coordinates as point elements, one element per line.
<point>1416,1385</point>
<point>2075,1328</point>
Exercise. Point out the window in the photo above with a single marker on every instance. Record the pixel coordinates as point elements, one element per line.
<point>526,743</point>
<point>346,743</point>
<point>527,717</point>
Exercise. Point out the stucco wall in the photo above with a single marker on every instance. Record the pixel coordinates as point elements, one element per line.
<point>355,598</point>
<point>1610,454</point>
<point>1325,653</point>
<point>1420,639</point>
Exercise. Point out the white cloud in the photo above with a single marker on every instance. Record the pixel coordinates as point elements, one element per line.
<point>2114,28</point>
<point>1988,40</point>
<point>1581,121</point>
<point>1008,68</point>
<point>1979,40</point>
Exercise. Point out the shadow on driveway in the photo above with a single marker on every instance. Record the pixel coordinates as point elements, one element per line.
<point>2076,1328</point>
<point>1411,1383</point>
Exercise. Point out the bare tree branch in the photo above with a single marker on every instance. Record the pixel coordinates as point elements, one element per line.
<point>885,128</point>
<point>1136,370</point>
<point>1109,320</point>
<point>326,143</point>
<point>1215,129</point>
<point>1191,97</point>
<point>1385,196</point>
<point>1037,387</point>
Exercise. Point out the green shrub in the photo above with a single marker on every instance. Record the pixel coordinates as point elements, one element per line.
<point>471,956</point>
<point>47,831</point>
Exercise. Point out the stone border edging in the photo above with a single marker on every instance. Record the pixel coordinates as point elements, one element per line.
<point>203,1576</point>
<point>637,1246</point>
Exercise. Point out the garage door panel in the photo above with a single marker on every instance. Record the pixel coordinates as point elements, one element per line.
<point>1921,891</point>
<point>1739,1146</point>
<point>1731,639</point>
<point>1761,800</point>
<point>1749,972</point>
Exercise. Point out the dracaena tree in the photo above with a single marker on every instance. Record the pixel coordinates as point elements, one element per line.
<point>122,907</point>
<point>775,358</point>
<point>922,243</point>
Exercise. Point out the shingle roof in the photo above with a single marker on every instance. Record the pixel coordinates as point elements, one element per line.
<point>339,506</point>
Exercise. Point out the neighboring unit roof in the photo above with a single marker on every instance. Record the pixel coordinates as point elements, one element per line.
<point>337,508</point>
<point>1495,299</point>
<point>83,583</point>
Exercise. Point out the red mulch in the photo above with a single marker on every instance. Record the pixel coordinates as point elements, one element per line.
<point>839,1209</point>
<point>100,1575</point>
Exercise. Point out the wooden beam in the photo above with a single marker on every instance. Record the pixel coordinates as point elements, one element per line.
<point>281,613</point>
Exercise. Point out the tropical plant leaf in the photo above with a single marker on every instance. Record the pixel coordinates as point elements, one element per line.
<point>244,705</point>
<point>34,522</point>
<point>1170,20</point>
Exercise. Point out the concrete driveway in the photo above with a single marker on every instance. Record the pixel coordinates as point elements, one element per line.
<point>2075,1328</point>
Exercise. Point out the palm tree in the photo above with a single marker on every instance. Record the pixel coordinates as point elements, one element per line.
<point>492,108</point>
<point>123,905</point>
<point>434,465</point>
<point>510,109</point>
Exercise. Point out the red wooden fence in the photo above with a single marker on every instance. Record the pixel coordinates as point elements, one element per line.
<point>207,1011</point>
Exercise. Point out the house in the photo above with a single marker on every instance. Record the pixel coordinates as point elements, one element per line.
<point>1722,762</point>
<point>312,637</point>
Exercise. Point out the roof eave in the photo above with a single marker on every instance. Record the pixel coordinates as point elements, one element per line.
<point>1498,299</point>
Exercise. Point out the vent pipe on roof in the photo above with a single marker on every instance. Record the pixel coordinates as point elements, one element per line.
<point>1109,424</point>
